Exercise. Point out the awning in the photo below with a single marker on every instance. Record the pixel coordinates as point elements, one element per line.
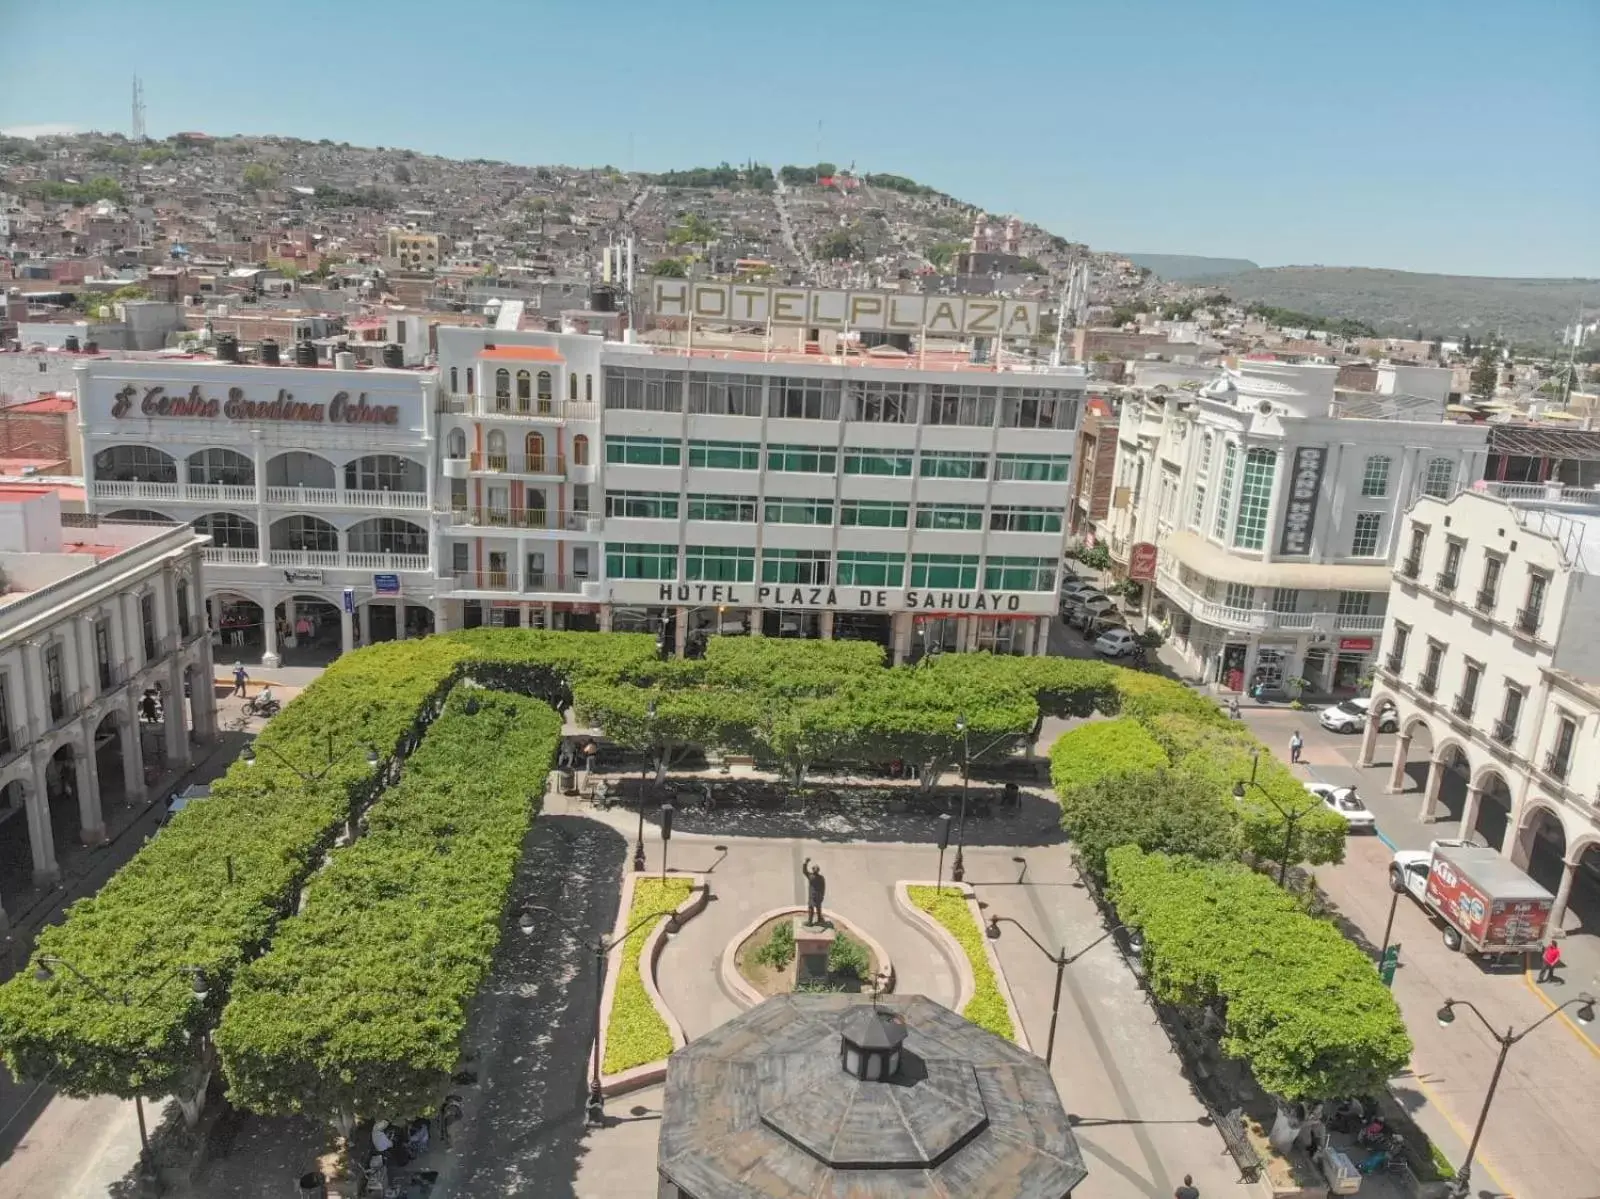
<point>1214,562</point>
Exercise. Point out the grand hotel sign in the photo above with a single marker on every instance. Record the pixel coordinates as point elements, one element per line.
<point>820,308</point>
<point>156,402</point>
<point>850,599</point>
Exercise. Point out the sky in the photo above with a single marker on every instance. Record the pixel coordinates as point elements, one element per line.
<point>1451,136</point>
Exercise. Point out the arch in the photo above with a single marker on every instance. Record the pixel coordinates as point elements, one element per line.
<point>572,387</point>
<point>524,388</point>
<point>228,530</point>
<point>300,468</point>
<point>1541,843</point>
<point>580,450</point>
<point>61,792</point>
<point>1487,775</point>
<point>218,465</point>
<point>588,389</point>
<point>502,384</point>
<point>108,761</point>
<point>132,463</point>
<point>546,387</point>
<point>533,448</point>
<point>496,444</point>
<point>456,444</point>
<point>303,533</point>
<point>16,839</point>
<point>139,516</point>
<point>384,472</point>
<point>1492,821</point>
<point>470,389</point>
<point>387,535</point>
<point>454,379</point>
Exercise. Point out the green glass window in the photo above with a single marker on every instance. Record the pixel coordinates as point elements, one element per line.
<point>1033,468</point>
<point>964,518</point>
<point>874,514</point>
<point>1004,519</point>
<point>860,568</point>
<point>738,508</point>
<point>1255,497</point>
<point>944,570</point>
<point>1230,463</point>
<point>725,455</point>
<point>795,566</point>
<point>894,463</point>
<point>794,510</point>
<point>719,564</point>
<point>638,560</point>
<point>803,459</point>
<point>1019,574</point>
<point>643,505</point>
<point>643,451</point>
<point>954,464</point>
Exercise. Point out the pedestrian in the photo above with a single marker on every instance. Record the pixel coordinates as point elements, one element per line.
<point>1551,957</point>
<point>1296,744</point>
<point>1188,1190</point>
<point>240,678</point>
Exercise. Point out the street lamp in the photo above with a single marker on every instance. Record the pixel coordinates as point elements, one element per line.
<point>1290,819</point>
<point>1062,961</point>
<point>958,869</point>
<point>249,759</point>
<point>44,970</point>
<point>595,1107</point>
<point>644,771</point>
<point>1446,1016</point>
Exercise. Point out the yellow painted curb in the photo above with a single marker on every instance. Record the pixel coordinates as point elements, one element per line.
<point>1527,977</point>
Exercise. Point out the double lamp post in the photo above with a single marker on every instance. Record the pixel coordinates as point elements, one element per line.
<point>1290,818</point>
<point>1062,960</point>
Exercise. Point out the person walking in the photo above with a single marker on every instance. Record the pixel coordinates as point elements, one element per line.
<point>1296,744</point>
<point>240,678</point>
<point>1551,957</point>
<point>1188,1190</point>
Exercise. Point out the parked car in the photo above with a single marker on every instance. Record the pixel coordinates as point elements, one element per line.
<point>1086,607</point>
<point>182,799</point>
<point>1110,619</point>
<point>1351,717</point>
<point>1116,643</point>
<point>1346,802</point>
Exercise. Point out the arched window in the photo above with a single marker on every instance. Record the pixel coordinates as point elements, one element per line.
<point>524,389</point>
<point>453,380</point>
<point>221,466</point>
<point>387,535</point>
<point>1375,477</point>
<point>497,442</point>
<point>580,450</point>
<point>470,389</point>
<point>228,531</point>
<point>306,534</point>
<point>1441,477</point>
<point>533,447</point>
<point>456,444</point>
<point>588,389</point>
<point>572,388</point>
<point>546,392</point>
<point>502,389</point>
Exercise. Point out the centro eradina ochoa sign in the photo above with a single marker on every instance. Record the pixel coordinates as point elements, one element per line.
<point>192,405</point>
<point>883,311</point>
<point>854,599</point>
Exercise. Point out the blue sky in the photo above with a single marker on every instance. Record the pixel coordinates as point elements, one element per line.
<point>1436,135</point>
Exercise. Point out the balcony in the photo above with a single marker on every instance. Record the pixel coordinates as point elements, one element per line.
<point>542,410</point>
<point>503,582</point>
<point>551,466</point>
<point>1461,707</point>
<point>488,517</point>
<point>174,493</point>
<point>63,707</point>
<point>338,497</point>
<point>1264,619</point>
<point>1412,566</point>
<point>1445,581</point>
<point>1428,683</point>
<point>1504,731</point>
<point>1394,662</point>
<point>221,555</point>
<point>1528,620</point>
<point>1484,600</point>
<point>1557,764</point>
<point>338,560</point>
<point>283,497</point>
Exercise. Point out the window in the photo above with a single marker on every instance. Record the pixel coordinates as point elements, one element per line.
<point>102,658</point>
<point>1033,468</point>
<point>896,463</point>
<point>1440,478</point>
<point>1397,649</point>
<point>884,403</point>
<point>1355,603</point>
<point>547,392</point>
<point>637,560</point>
<point>455,379</point>
<point>804,398</point>
<point>1239,595</point>
<point>580,450</point>
<point>580,561</point>
<point>1451,573</point>
<point>1019,574</point>
<point>588,389</point>
<point>1510,713</point>
<point>456,444</point>
<point>1008,519</point>
<point>147,625</point>
<point>183,609</point>
<point>580,498</point>
<point>1197,513</point>
<point>227,531</point>
<point>806,567</point>
<point>954,464</point>
<point>9,737</point>
<point>737,508</point>
<point>639,389</point>
<point>502,390</point>
<point>1285,599</point>
<point>1429,679</point>
<point>470,389</point>
<point>958,404</point>
<point>803,459</point>
<point>1413,562</point>
<point>725,395</point>
<point>944,570</point>
<point>1528,618</point>
<point>227,467</point>
<point>1038,408</point>
<point>1375,478</point>
<point>960,517</point>
<point>1255,497</point>
<point>874,514</point>
<point>524,390</point>
<point>725,455</point>
<point>719,564</point>
<point>572,389</point>
<point>859,568</point>
<point>55,682</point>
<point>1230,463</point>
<point>1364,543</point>
<point>642,505</point>
<point>460,557</point>
<point>794,510</point>
<point>1559,760</point>
<point>643,451</point>
<point>1489,590</point>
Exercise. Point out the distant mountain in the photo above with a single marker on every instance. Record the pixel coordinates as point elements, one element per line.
<point>1529,312</point>
<point>1180,268</point>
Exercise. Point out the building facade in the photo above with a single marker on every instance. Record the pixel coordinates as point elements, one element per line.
<point>314,485</point>
<point>1492,662</point>
<point>96,617</point>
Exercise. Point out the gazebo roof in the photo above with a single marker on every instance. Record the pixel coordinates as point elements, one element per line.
<point>761,1108</point>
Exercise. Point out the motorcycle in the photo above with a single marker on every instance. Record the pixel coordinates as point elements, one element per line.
<point>256,706</point>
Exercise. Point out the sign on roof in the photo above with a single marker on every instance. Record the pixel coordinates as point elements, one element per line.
<point>820,308</point>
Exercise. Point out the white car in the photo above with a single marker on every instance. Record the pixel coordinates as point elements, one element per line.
<point>1086,605</point>
<point>1347,803</point>
<point>1351,717</point>
<point>1114,643</point>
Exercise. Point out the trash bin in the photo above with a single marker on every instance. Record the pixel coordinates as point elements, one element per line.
<point>1011,797</point>
<point>569,782</point>
<point>313,1186</point>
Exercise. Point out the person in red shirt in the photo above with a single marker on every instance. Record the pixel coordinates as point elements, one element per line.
<point>1551,958</point>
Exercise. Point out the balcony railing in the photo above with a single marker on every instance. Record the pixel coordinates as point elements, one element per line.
<point>301,496</point>
<point>221,555</point>
<point>63,707</point>
<point>1462,707</point>
<point>489,517</point>
<point>1557,764</point>
<point>338,560</point>
<point>1445,581</point>
<point>1227,616</point>
<point>519,464</point>
<point>553,410</point>
<point>298,496</point>
<point>1411,567</point>
<point>1484,600</point>
<point>14,741</point>
<point>1428,683</point>
<point>1394,662</point>
<point>1504,731</point>
<point>507,581</point>
<point>1528,620</point>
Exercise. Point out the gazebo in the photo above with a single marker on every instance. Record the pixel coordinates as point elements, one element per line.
<point>824,1095</point>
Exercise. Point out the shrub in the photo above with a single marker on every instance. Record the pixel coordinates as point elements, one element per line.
<point>1156,810</point>
<point>849,957</point>
<point>778,949</point>
<point>987,1008</point>
<point>636,1033</point>
<point>1102,749</point>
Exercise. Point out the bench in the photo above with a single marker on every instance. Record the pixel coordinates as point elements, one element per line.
<point>1234,1136</point>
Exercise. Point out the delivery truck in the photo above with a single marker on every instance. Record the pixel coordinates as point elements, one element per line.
<point>1487,906</point>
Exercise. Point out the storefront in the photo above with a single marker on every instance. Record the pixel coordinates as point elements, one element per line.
<point>792,622</point>
<point>1353,663</point>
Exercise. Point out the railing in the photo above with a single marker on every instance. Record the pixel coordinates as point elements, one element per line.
<point>339,497</point>
<point>13,742</point>
<point>1557,764</point>
<point>1484,601</point>
<point>221,555</point>
<point>312,558</point>
<point>487,517</point>
<point>1393,663</point>
<point>1462,707</point>
<point>1528,620</point>
<point>483,580</point>
<point>519,464</point>
<point>505,581</point>
<point>227,493</point>
<point>63,707</point>
<point>362,561</point>
<point>552,409</point>
<point>1504,731</point>
<point>1544,493</point>
<point>1428,683</point>
<point>104,490</point>
<point>456,404</point>
<point>1411,567</point>
<point>220,493</point>
<point>1213,612</point>
<point>1445,581</point>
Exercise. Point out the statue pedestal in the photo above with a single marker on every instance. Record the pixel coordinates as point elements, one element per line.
<point>811,946</point>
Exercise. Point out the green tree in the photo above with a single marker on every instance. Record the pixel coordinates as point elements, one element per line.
<point>839,244</point>
<point>692,230</point>
<point>538,207</point>
<point>1159,811</point>
<point>669,268</point>
<point>1485,376</point>
<point>260,176</point>
<point>943,253</point>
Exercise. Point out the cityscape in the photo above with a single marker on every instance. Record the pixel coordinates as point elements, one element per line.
<point>774,679</point>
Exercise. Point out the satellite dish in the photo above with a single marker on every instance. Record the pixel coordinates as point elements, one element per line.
<point>1264,407</point>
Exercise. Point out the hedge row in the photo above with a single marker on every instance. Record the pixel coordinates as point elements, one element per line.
<point>987,1007</point>
<point>1304,1006</point>
<point>360,1005</point>
<point>635,1031</point>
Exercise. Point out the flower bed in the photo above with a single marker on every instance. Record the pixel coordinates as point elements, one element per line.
<point>987,1007</point>
<point>635,1032</point>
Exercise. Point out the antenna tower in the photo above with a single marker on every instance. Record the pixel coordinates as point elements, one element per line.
<point>138,110</point>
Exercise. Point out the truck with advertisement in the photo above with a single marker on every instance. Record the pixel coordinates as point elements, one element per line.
<point>1487,905</point>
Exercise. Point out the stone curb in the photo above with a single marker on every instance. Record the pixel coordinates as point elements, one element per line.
<point>968,984</point>
<point>734,983</point>
<point>649,1073</point>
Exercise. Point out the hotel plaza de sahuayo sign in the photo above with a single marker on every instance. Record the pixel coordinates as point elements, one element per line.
<point>813,307</point>
<point>848,599</point>
<point>156,402</point>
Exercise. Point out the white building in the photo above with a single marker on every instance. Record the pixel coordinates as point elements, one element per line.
<point>91,618</point>
<point>1491,658</point>
<point>315,486</point>
<point>1273,503</point>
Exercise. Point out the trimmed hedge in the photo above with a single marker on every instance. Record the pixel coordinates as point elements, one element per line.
<point>1102,749</point>
<point>987,1007</point>
<point>1304,1006</point>
<point>360,1005</point>
<point>1157,810</point>
<point>636,1033</point>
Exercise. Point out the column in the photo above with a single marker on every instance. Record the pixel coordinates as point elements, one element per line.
<point>1041,636</point>
<point>178,754</point>
<point>203,700</point>
<point>605,617</point>
<point>399,620</point>
<point>347,630</point>
<point>1030,630</point>
<point>443,614</point>
<point>1369,743</point>
<point>166,625</point>
<point>90,817</point>
<point>755,623</point>
<point>33,670</point>
<point>1558,911</point>
<point>902,637</point>
<point>681,632</point>
<point>46,871</point>
<point>132,754</point>
<point>1397,771</point>
<point>269,630</point>
<point>1430,793</point>
<point>263,522</point>
<point>825,624</point>
<point>525,615</point>
<point>1469,813</point>
<point>88,664</point>
<point>289,639</point>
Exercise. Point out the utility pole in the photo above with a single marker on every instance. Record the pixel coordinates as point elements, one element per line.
<point>138,110</point>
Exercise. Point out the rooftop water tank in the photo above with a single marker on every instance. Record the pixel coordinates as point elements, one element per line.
<point>393,355</point>
<point>227,348</point>
<point>71,345</point>
<point>269,352</point>
<point>305,353</point>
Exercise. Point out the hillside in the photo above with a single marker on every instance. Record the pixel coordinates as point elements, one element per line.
<point>1180,268</point>
<point>1524,311</point>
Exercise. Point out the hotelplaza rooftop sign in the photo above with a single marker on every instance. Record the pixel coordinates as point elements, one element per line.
<point>821,308</point>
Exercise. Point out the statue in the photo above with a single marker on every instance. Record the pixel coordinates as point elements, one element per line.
<point>816,888</point>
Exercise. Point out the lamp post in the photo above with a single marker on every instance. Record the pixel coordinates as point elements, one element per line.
<point>308,777</point>
<point>958,869</point>
<point>1062,961</point>
<point>644,772</point>
<point>44,971</point>
<point>595,1107</point>
<point>1446,1016</point>
<point>1290,819</point>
